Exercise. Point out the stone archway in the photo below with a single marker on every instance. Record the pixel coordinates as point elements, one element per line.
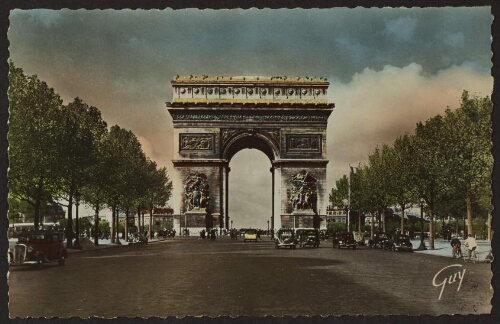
<point>216,117</point>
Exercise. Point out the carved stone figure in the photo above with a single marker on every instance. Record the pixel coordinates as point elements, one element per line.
<point>196,192</point>
<point>196,142</point>
<point>303,194</point>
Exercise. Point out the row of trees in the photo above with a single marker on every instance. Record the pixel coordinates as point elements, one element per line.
<point>446,164</point>
<point>66,153</point>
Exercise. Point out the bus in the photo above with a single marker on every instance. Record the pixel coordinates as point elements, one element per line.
<point>21,227</point>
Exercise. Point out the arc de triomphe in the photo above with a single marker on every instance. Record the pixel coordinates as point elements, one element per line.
<point>216,117</point>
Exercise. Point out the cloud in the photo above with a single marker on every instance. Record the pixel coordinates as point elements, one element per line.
<point>378,106</point>
<point>401,29</point>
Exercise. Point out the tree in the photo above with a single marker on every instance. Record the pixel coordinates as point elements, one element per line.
<point>159,188</point>
<point>124,152</point>
<point>377,178</point>
<point>399,185</point>
<point>468,159</point>
<point>33,150</point>
<point>78,138</point>
<point>338,195</point>
<point>430,169</point>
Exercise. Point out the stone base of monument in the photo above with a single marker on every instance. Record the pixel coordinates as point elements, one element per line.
<point>298,219</point>
<point>198,219</point>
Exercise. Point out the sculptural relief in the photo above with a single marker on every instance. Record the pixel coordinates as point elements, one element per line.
<point>196,141</point>
<point>196,192</point>
<point>303,193</point>
<point>311,143</point>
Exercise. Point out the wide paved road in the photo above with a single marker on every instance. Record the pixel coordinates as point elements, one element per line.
<point>189,277</point>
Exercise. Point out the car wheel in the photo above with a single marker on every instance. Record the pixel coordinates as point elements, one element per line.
<point>39,264</point>
<point>61,261</point>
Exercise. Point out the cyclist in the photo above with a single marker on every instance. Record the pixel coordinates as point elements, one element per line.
<point>471,245</point>
<point>456,245</point>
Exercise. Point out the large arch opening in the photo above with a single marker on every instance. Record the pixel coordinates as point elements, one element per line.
<point>250,190</point>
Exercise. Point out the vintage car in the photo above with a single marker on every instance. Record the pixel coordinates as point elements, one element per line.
<point>38,247</point>
<point>380,240</point>
<point>344,239</point>
<point>307,237</point>
<point>401,242</point>
<point>250,235</point>
<point>285,237</point>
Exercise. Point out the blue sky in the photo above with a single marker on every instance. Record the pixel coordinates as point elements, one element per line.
<point>388,68</point>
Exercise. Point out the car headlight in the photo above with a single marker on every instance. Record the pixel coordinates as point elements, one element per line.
<point>30,249</point>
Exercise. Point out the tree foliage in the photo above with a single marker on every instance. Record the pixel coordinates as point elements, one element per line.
<point>447,162</point>
<point>58,151</point>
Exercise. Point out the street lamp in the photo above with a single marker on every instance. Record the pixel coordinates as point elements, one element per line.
<point>422,244</point>
<point>268,226</point>
<point>77,239</point>
<point>231,224</point>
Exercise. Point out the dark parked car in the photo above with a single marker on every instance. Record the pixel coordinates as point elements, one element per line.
<point>285,238</point>
<point>401,242</point>
<point>380,240</point>
<point>307,237</point>
<point>38,247</point>
<point>344,239</point>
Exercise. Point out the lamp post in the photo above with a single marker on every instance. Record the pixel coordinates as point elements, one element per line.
<point>77,239</point>
<point>268,226</point>
<point>231,224</point>
<point>422,244</point>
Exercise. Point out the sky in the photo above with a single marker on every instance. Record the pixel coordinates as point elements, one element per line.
<point>388,69</point>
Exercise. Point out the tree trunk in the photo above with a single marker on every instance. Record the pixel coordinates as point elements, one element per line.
<point>150,221</point>
<point>37,204</point>
<point>431,229</point>
<point>469,214</point>
<point>37,214</point>
<point>489,226</point>
<point>96,225</point>
<point>113,209</point>
<point>382,215</point>
<point>126,224</point>
<point>372,225</point>
<point>69,227</point>
<point>138,219</point>
<point>402,219</point>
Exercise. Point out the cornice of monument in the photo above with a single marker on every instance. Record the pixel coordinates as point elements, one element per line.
<point>247,103</point>
<point>250,79</point>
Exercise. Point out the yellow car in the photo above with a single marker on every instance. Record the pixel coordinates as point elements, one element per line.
<point>250,235</point>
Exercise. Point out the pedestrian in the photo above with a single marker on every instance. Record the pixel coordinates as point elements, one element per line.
<point>470,244</point>
<point>456,247</point>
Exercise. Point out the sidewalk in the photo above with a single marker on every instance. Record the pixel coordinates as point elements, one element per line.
<point>88,244</point>
<point>443,248</point>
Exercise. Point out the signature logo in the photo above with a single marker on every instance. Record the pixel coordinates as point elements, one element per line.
<point>439,281</point>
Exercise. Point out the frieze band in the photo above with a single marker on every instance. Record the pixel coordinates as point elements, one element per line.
<point>249,117</point>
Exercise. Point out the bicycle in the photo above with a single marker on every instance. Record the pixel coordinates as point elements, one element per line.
<point>457,252</point>
<point>470,255</point>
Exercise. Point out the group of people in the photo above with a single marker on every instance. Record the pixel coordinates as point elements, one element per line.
<point>208,235</point>
<point>470,244</point>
